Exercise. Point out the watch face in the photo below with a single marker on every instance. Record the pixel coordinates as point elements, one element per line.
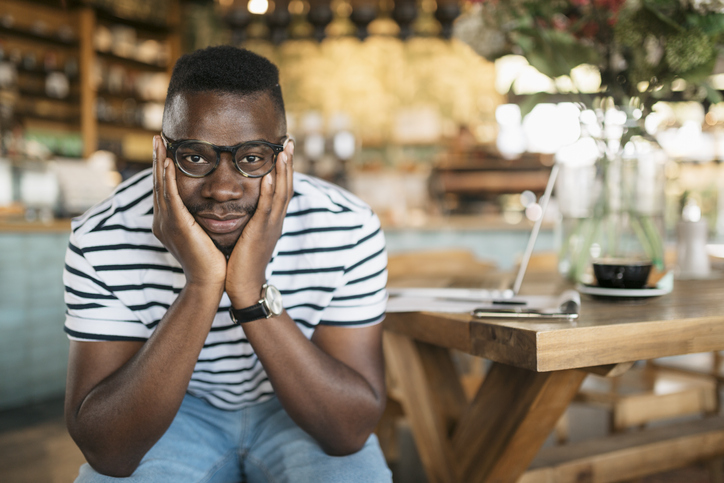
<point>274,300</point>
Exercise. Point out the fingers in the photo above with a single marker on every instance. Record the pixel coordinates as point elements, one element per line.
<point>285,177</point>
<point>280,191</point>
<point>158,182</point>
<point>290,174</point>
<point>275,190</point>
<point>171,194</point>
<point>155,176</point>
<point>266,192</point>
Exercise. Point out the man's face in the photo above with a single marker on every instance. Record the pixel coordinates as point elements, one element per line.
<point>224,201</point>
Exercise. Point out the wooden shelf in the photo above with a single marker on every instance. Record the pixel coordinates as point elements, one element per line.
<point>128,127</point>
<point>132,63</point>
<point>123,96</point>
<point>40,72</point>
<point>61,119</point>
<point>71,99</point>
<point>45,39</point>
<point>84,18</point>
<point>161,28</point>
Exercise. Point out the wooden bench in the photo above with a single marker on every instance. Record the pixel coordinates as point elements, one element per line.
<point>646,394</point>
<point>630,455</point>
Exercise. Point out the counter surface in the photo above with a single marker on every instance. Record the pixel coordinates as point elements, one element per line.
<point>13,225</point>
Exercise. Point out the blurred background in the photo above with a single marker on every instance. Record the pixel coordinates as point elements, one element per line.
<point>445,116</point>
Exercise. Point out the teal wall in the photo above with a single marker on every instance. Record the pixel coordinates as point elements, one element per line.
<point>34,348</point>
<point>504,247</point>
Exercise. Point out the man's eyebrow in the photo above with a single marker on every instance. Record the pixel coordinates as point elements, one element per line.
<point>176,141</point>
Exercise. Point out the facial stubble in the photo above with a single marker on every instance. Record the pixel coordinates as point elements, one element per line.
<point>246,208</point>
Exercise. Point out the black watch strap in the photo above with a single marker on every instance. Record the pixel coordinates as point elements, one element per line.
<point>255,312</point>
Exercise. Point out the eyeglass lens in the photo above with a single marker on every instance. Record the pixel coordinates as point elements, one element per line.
<point>199,159</point>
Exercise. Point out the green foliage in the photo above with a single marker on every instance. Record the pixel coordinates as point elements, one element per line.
<point>711,24</point>
<point>689,50</point>
<point>553,52</point>
<point>529,102</point>
<point>631,41</point>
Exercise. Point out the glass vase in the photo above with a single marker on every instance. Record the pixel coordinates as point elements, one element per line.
<point>611,196</point>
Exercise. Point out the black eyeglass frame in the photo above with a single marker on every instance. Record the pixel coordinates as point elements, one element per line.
<point>172,146</point>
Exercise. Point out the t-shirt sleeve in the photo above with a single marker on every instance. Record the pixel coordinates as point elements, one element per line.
<point>361,297</point>
<point>93,312</point>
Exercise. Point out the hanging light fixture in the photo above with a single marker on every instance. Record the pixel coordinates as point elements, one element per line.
<point>278,21</point>
<point>446,13</point>
<point>320,15</point>
<point>258,7</point>
<point>405,13</point>
<point>279,17</point>
<point>363,13</point>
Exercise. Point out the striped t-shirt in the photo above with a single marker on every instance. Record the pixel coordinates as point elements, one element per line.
<point>329,264</point>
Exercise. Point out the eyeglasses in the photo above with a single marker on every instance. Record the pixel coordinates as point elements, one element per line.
<point>253,159</point>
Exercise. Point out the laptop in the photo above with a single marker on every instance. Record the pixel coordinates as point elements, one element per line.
<point>483,303</point>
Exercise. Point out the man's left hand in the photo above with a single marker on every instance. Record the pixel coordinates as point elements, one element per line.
<point>245,273</point>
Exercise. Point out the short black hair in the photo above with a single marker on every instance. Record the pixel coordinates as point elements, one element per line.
<point>225,69</point>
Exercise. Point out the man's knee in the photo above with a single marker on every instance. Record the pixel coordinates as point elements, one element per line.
<point>303,462</point>
<point>88,475</point>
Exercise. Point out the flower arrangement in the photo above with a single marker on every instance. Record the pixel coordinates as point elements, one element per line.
<point>641,47</point>
<point>644,50</point>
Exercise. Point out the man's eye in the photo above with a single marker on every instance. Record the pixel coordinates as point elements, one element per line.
<point>195,159</point>
<point>251,158</point>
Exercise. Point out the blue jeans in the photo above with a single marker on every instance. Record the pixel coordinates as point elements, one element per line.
<point>259,443</point>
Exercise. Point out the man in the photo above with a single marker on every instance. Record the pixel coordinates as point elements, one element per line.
<point>165,382</point>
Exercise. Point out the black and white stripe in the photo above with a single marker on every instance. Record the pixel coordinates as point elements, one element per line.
<point>330,265</point>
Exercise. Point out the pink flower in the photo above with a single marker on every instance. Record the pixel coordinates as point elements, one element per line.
<point>612,5</point>
<point>560,22</point>
<point>589,30</point>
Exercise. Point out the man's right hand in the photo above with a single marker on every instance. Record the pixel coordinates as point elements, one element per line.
<point>122,396</point>
<point>177,229</point>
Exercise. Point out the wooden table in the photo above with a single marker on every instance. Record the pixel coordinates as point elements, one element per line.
<point>535,374</point>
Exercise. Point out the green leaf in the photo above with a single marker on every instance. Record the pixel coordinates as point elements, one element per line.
<point>700,73</point>
<point>531,101</point>
<point>555,53</point>
<point>710,24</point>
<point>543,63</point>
<point>627,135</point>
<point>662,16</point>
<point>713,95</point>
<point>525,42</point>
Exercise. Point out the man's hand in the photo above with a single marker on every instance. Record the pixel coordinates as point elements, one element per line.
<point>177,229</point>
<point>245,272</point>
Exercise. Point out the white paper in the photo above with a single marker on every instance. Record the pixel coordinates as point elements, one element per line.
<point>457,300</point>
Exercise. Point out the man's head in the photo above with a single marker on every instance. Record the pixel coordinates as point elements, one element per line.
<point>225,96</point>
<point>225,70</point>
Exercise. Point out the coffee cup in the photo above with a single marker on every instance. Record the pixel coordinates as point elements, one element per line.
<point>628,273</point>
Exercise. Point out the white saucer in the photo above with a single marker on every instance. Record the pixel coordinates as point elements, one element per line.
<point>622,292</point>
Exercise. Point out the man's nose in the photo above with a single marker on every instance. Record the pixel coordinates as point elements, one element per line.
<point>225,183</point>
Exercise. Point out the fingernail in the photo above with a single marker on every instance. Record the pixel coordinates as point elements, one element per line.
<point>165,163</point>
<point>283,157</point>
<point>291,150</point>
<point>155,143</point>
<point>269,179</point>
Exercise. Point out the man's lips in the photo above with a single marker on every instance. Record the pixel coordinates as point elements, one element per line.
<point>220,224</point>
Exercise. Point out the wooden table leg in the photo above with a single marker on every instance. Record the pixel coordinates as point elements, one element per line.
<point>431,397</point>
<point>510,418</point>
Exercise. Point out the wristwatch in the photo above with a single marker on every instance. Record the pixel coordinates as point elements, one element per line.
<point>270,305</point>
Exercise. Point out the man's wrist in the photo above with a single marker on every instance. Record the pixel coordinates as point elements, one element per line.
<point>246,295</point>
<point>269,305</point>
<point>204,289</point>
